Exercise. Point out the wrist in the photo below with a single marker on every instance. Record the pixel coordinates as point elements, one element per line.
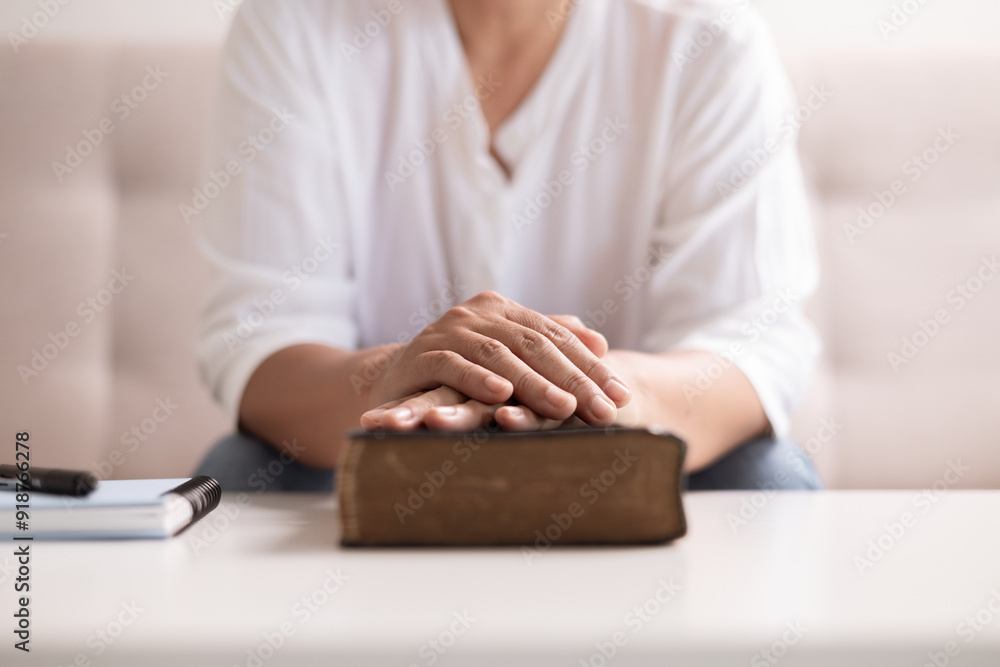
<point>372,380</point>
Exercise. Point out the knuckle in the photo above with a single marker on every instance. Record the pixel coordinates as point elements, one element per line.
<point>489,350</point>
<point>485,298</point>
<point>529,383</point>
<point>420,403</point>
<point>433,397</point>
<point>460,312</point>
<point>577,383</point>
<point>492,302</point>
<point>466,376</point>
<point>593,367</point>
<point>491,295</point>
<point>560,336</point>
<point>532,344</point>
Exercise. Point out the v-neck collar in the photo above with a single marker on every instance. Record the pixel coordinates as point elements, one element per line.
<point>544,104</point>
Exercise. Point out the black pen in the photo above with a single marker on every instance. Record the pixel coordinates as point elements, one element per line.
<point>49,480</point>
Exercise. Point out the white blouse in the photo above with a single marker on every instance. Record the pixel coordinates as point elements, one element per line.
<point>655,190</point>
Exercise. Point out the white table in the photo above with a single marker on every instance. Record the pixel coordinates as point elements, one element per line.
<point>786,582</point>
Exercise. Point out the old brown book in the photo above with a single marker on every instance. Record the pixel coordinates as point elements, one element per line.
<point>568,486</point>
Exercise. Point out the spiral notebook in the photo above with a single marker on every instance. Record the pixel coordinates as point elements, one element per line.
<point>132,508</point>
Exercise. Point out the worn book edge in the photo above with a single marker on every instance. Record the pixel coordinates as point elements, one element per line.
<point>347,491</point>
<point>349,510</point>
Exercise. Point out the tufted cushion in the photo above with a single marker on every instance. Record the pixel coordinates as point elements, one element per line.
<point>115,212</point>
<point>96,402</point>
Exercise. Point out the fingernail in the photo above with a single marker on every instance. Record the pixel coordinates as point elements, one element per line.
<point>446,411</point>
<point>495,384</point>
<point>602,407</point>
<point>375,414</point>
<point>616,390</point>
<point>557,396</point>
<point>401,414</point>
<point>515,412</point>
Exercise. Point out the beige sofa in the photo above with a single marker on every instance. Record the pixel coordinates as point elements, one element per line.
<point>101,282</point>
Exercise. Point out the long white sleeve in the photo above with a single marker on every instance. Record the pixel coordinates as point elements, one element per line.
<point>735,224</point>
<point>277,248</point>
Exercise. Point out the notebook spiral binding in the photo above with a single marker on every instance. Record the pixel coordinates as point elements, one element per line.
<point>204,494</point>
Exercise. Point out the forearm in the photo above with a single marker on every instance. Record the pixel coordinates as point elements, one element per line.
<point>488,350</point>
<point>312,395</point>
<point>712,420</point>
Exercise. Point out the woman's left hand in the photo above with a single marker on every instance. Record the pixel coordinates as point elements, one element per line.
<point>444,409</point>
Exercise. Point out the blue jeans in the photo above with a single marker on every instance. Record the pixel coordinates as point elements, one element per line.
<point>243,463</point>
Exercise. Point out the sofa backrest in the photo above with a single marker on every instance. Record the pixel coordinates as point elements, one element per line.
<point>99,274</point>
<point>102,283</point>
<point>904,167</point>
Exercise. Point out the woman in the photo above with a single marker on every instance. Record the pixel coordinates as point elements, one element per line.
<point>520,211</point>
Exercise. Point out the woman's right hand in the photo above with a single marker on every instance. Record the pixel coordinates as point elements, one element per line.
<point>490,350</point>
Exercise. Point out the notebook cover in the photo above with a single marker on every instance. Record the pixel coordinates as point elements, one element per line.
<point>117,508</point>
